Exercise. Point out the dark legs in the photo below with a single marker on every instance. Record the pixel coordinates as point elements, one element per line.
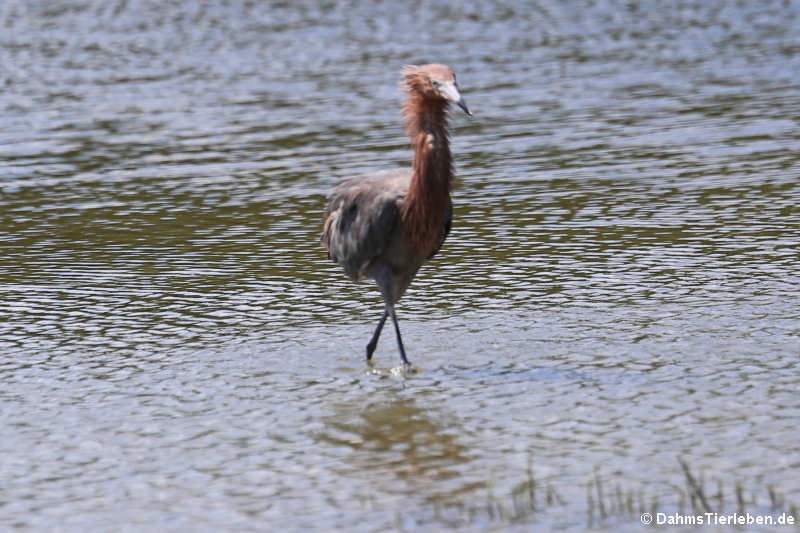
<point>399,340</point>
<point>374,341</point>
<point>386,281</point>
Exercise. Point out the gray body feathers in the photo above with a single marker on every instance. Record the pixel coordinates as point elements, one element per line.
<point>364,230</point>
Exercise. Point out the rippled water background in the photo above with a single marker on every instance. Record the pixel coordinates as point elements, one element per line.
<point>620,290</point>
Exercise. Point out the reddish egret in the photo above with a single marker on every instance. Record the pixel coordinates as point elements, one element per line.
<point>386,224</point>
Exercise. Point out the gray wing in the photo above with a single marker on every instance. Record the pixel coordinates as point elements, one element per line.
<point>361,218</point>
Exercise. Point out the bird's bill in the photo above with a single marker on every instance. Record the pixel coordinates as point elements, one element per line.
<point>450,92</point>
<point>463,105</point>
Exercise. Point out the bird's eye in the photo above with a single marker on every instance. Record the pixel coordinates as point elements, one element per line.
<point>436,84</point>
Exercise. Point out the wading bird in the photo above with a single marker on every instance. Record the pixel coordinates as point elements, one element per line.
<point>384,225</point>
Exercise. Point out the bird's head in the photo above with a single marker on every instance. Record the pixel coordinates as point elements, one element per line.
<point>434,82</point>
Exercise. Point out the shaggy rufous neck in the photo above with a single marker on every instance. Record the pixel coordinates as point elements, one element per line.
<point>425,206</point>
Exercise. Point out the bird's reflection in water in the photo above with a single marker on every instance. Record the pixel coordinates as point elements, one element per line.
<point>396,436</point>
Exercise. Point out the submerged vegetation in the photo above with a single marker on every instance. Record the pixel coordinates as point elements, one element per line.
<point>609,502</point>
<point>695,496</point>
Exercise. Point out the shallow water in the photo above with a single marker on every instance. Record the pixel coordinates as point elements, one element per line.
<point>620,290</point>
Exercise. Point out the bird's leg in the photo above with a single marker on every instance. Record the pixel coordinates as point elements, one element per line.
<point>374,341</point>
<point>386,282</point>
<point>399,340</point>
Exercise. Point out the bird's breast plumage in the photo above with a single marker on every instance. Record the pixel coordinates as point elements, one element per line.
<point>364,224</point>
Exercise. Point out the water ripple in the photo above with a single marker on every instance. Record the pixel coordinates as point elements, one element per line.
<point>619,288</point>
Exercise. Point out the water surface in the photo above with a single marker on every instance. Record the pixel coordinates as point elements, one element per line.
<point>619,291</point>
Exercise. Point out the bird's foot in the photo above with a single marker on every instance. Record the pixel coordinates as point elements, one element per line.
<point>407,368</point>
<point>370,351</point>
